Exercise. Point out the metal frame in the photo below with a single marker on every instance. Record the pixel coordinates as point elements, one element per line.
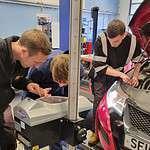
<point>19,2</point>
<point>74,47</point>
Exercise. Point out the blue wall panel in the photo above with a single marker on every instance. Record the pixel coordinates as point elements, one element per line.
<point>64,14</point>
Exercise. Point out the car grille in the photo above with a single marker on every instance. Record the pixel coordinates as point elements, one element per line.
<point>139,119</point>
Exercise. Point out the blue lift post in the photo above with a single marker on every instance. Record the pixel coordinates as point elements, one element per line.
<point>64,21</point>
<point>94,14</point>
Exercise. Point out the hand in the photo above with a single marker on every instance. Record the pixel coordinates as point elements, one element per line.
<point>134,81</point>
<point>36,89</point>
<point>45,92</point>
<point>125,78</point>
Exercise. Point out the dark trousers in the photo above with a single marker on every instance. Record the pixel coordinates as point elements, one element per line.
<point>7,139</point>
<point>7,136</point>
<point>100,85</point>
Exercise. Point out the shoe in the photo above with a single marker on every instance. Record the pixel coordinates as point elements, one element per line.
<point>92,139</point>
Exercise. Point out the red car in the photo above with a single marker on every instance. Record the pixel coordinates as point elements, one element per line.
<point>123,115</point>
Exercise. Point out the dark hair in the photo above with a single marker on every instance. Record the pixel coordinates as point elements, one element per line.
<point>115,27</point>
<point>145,30</point>
<point>36,41</point>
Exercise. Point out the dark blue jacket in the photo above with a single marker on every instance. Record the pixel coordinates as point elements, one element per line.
<point>43,76</point>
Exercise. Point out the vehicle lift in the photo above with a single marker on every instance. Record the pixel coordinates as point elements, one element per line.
<point>42,123</point>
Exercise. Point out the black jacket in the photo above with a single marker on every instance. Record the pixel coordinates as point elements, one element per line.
<point>116,56</point>
<point>43,76</point>
<point>9,69</point>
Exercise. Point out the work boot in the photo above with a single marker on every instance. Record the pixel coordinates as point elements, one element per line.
<point>92,139</point>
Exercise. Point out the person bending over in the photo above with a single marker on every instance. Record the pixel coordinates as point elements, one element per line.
<point>113,50</point>
<point>16,53</point>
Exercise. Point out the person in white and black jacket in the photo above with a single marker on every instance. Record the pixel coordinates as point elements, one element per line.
<point>113,49</point>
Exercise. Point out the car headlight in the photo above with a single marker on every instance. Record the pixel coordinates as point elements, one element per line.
<point>116,98</point>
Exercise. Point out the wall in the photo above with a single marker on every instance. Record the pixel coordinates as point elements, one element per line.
<point>124,6</point>
<point>16,18</point>
<point>105,6</point>
<point>49,2</point>
<point>108,10</point>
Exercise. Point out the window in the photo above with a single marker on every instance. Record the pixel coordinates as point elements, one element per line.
<point>133,7</point>
<point>137,1</point>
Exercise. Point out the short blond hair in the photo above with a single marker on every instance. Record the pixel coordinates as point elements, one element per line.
<point>35,41</point>
<point>60,67</point>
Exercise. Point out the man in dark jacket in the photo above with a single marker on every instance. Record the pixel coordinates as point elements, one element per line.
<point>31,49</point>
<point>113,51</point>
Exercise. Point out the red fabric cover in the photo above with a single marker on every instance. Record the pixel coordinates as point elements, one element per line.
<point>141,16</point>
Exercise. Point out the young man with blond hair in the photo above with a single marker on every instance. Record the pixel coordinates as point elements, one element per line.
<point>60,68</point>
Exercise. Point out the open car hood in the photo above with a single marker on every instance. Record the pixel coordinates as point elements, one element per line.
<point>141,94</point>
<point>139,19</point>
<point>140,97</point>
